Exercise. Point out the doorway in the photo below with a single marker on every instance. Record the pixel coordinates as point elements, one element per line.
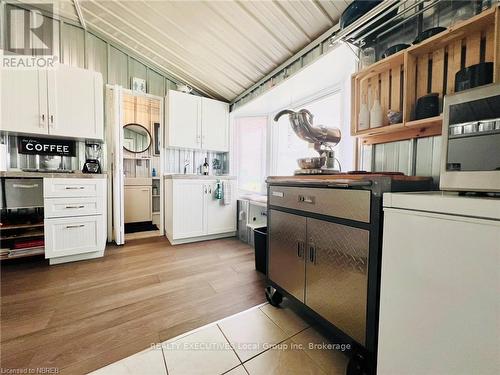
<point>141,165</point>
<point>137,165</point>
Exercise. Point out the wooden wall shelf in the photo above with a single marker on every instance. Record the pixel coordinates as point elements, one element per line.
<point>397,81</point>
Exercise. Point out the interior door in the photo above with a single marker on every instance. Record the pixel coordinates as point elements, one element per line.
<point>221,218</point>
<point>286,266</point>
<point>118,174</point>
<point>188,208</point>
<point>23,102</point>
<point>215,125</point>
<point>184,128</point>
<point>337,275</point>
<point>72,103</point>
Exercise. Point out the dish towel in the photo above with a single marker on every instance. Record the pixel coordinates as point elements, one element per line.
<point>226,188</point>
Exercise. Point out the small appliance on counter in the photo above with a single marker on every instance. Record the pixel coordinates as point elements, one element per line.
<point>321,137</point>
<point>470,160</point>
<point>93,153</point>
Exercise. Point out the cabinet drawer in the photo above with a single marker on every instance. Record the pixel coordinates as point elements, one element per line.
<point>66,207</point>
<point>75,235</point>
<point>22,192</point>
<point>341,203</point>
<point>73,187</point>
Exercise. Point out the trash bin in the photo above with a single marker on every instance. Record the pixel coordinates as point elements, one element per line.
<point>260,244</point>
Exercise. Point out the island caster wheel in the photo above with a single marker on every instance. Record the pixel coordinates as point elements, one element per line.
<point>357,365</point>
<point>273,296</point>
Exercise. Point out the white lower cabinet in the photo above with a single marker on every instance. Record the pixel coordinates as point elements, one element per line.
<point>221,218</point>
<point>188,209</point>
<point>75,220</point>
<point>73,235</point>
<point>138,204</point>
<point>194,214</point>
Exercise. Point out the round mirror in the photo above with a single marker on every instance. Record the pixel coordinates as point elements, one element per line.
<point>136,138</point>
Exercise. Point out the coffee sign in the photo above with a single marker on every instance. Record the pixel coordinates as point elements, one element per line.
<point>45,146</point>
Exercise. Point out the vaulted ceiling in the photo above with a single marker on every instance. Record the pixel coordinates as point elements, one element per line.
<point>219,47</point>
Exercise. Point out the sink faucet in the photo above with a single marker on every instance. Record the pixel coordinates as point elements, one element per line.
<point>186,163</point>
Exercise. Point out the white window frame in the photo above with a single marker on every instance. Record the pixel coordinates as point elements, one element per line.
<point>234,150</point>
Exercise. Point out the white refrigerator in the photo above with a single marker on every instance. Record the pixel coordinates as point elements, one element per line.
<point>440,285</point>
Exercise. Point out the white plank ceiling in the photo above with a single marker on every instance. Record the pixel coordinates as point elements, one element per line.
<point>219,47</point>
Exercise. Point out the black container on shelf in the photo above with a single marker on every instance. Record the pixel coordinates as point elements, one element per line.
<point>260,244</point>
<point>474,76</point>
<point>427,106</point>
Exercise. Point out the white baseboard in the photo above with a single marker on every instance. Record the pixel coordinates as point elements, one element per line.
<point>76,257</point>
<point>200,238</point>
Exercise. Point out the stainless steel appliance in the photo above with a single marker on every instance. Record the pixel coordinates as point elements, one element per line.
<point>323,138</point>
<point>471,140</point>
<point>21,193</point>
<point>324,250</point>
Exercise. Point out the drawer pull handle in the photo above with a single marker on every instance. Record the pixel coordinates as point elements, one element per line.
<point>278,194</point>
<point>75,206</point>
<point>74,226</point>
<point>74,187</point>
<point>24,186</point>
<point>306,199</point>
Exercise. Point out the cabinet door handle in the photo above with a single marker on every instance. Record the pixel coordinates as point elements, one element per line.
<point>205,188</point>
<point>74,226</point>
<point>312,253</point>
<point>75,206</point>
<point>52,120</point>
<point>42,123</point>
<point>210,190</point>
<point>300,249</point>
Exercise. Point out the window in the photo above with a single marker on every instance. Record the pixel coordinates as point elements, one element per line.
<point>289,147</point>
<point>251,151</point>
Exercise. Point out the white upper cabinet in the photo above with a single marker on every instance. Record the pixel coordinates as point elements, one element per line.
<point>75,101</point>
<point>66,102</point>
<point>183,120</point>
<point>196,123</point>
<point>23,106</point>
<point>215,125</point>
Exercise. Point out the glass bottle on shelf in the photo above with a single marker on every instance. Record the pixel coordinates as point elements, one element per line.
<point>205,167</point>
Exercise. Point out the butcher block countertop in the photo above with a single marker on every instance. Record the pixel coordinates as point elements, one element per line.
<point>76,174</point>
<point>377,182</point>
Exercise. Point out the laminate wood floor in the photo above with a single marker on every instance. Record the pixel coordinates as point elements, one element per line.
<point>81,316</point>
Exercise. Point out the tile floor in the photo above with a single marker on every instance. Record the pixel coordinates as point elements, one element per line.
<point>260,341</point>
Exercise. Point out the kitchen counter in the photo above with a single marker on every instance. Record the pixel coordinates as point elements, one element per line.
<point>339,178</point>
<point>78,174</point>
<point>197,177</point>
<point>378,183</point>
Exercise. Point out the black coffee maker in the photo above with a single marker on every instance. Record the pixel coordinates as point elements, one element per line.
<point>92,155</point>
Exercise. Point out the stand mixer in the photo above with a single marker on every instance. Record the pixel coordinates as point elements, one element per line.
<point>323,139</point>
